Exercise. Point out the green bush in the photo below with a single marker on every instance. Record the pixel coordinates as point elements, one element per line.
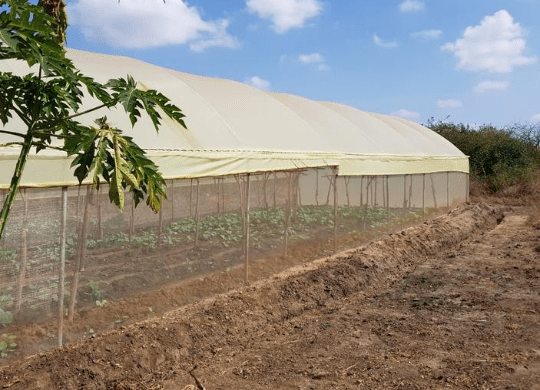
<point>497,157</point>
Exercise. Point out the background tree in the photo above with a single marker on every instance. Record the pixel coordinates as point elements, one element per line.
<point>48,101</point>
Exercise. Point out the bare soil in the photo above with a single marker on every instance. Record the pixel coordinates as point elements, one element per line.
<point>451,303</point>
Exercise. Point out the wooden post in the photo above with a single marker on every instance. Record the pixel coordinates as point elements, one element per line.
<point>223,209</point>
<point>361,190</point>
<point>275,183</point>
<point>317,188</point>
<point>216,183</point>
<point>24,253</point>
<point>287,214</point>
<point>347,180</point>
<point>410,191</point>
<point>368,188</point>
<point>84,232</point>
<point>376,185</point>
<point>62,268</point>
<point>334,171</point>
<point>447,190</point>
<point>99,215</point>
<point>78,222</point>
<point>423,195</point>
<point>81,245</point>
<point>132,219</point>
<point>329,191</point>
<point>160,224</point>
<point>433,190</point>
<point>197,215</point>
<point>387,199</point>
<point>172,201</point>
<point>246,236</point>
<point>190,196</point>
<point>404,191</point>
<point>265,186</point>
<point>467,188</point>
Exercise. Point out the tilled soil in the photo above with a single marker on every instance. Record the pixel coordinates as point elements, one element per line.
<point>452,303</point>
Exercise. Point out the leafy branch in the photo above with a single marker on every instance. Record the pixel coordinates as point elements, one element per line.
<point>48,100</point>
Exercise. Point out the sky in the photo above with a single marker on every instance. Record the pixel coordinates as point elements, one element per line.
<point>472,62</point>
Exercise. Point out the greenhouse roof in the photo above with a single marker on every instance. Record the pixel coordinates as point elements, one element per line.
<point>234,128</point>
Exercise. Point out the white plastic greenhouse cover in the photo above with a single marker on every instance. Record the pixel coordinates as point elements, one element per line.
<point>235,128</point>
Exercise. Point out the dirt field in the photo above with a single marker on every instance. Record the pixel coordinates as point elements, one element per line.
<point>452,303</point>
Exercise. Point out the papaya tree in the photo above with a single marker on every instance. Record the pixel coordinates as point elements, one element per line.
<point>48,100</point>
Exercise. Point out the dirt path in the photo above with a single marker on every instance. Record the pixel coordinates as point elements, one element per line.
<point>453,303</point>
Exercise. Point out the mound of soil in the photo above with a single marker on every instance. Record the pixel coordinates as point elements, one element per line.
<point>452,303</point>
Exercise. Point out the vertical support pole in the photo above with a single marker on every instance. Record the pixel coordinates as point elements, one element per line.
<point>433,190</point>
<point>246,236</point>
<point>84,232</point>
<point>216,184</point>
<point>447,190</point>
<point>376,185</point>
<point>404,191</point>
<point>275,183</point>
<point>347,180</point>
<point>132,219</point>
<point>190,196</point>
<point>424,196</point>
<point>224,210</point>
<point>81,251</point>
<point>160,225</point>
<point>265,187</point>
<point>197,215</point>
<point>387,199</point>
<point>172,201</point>
<point>467,187</point>
<point>24,253</point>
<point>99,215</point>
<point>62,268</point>
<point>78,226</point>
<point>334,171</point>
<point>410,191</point>
<point>287,214</point>
<point>317,188</point>
<point>361,190</point>
<point>368,189</point>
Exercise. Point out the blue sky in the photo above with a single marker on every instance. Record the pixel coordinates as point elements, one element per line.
<point>475,62</point>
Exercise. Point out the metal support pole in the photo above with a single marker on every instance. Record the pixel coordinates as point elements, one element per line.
<point>62,268</point>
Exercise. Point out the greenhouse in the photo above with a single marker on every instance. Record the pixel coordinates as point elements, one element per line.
<point>254,174</point>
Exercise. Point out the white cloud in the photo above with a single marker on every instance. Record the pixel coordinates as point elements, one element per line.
<point>449,103</point>
<point>495,45</point>
<point>148,23</point>
<point>427,34</point>
<point>411,6</point>
<point>486,86</point>
<point>535,118</point>
<point>314,58</point>
<point>406,114</point>
<point>379,42</point>
<point>258,82</point>
<point>285,14</point>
